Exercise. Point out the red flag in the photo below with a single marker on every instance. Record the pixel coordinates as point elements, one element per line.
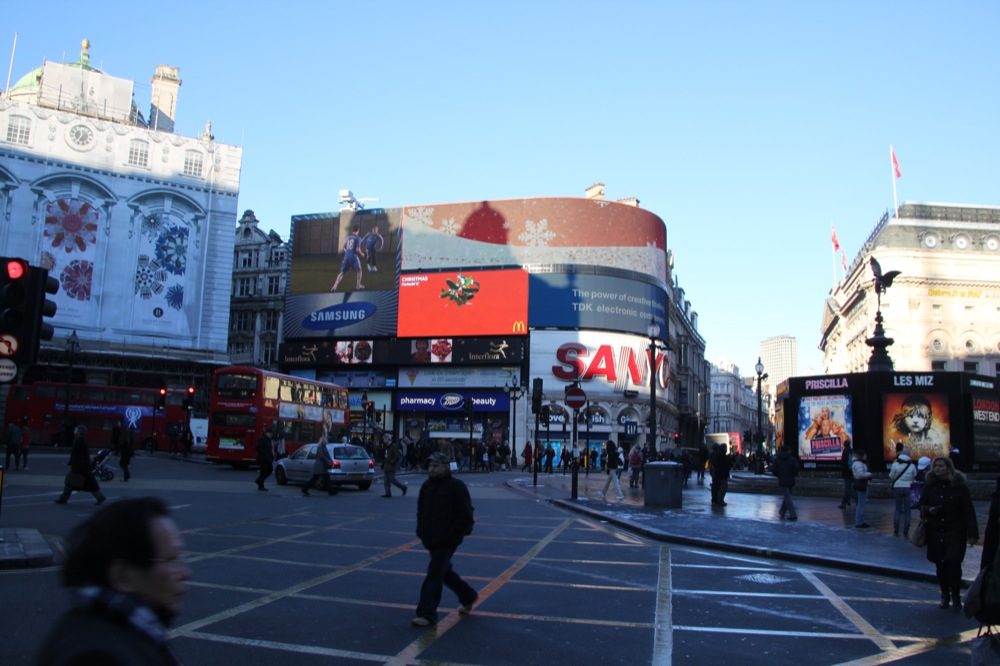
<point>895,163</point>
<point>836,243</point>
<point>843,259</point>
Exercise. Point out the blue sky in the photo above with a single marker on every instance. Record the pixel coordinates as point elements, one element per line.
<point>749,127</point>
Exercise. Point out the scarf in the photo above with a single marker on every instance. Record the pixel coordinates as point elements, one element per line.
<point>124,609</point>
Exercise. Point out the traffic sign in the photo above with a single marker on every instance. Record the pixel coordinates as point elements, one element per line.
<point>576,398</point>
<point>8,370</point>
<point>8,345</point>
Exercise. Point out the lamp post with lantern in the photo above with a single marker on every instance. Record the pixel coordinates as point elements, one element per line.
<point>653,332</point>
<point>72,349</point>
<point>758,467</point>
<point>514,392</point>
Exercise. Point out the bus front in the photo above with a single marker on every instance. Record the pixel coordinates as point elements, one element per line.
<point>234,416</point>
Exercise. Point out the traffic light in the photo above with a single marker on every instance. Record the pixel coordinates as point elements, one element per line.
<point>189,399</point>
<point>536,395</point>
<point>370,410</point>
<point>40,285</point>
<point>14,310</point>
<point>677,438</point>
<point>468,407</point>
<point>161,399</point>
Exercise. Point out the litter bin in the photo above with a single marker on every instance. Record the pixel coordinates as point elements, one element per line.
<point>663,484</point>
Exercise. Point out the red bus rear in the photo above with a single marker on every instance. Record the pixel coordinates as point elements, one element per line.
<point>49,406</point>
<point>246,401</point>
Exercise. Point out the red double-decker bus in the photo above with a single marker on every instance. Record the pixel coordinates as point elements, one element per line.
<point>151,413</point>
<point>247,401</point>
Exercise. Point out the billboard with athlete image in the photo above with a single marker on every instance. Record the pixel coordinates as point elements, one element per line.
<point>919,420</point>
<point>825,425</point>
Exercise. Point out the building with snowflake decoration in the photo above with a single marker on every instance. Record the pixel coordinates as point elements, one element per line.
<point>424,310</point>
<point>134,221</point>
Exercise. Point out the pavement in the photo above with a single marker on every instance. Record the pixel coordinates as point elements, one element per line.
<point>823,535</point>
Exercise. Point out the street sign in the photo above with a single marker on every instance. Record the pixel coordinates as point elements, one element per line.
<point>8,345</point>
<point>8,370</point>
<point>576,398</point>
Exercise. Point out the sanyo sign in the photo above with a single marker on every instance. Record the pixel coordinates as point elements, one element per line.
<point>608,363</point>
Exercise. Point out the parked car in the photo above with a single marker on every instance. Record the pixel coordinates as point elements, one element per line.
<point>351,466</point>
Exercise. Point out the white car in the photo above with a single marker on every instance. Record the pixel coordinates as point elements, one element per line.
<point>351,466</point>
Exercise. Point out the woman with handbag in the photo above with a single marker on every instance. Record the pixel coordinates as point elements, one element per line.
<point>947,510</point>
<point>859,470</point>
<point>81,474</point>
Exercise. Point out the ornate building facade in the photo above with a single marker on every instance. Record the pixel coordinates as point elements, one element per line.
<point>942,311</point>
<point>134,221</point>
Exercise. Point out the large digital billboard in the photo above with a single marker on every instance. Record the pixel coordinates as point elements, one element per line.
<point>589,301</point>
<point>468,302</point>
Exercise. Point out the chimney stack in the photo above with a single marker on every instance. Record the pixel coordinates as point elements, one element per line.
<point>163,106</point>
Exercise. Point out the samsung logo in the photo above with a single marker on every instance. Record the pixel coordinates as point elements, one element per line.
<point>338,315</point>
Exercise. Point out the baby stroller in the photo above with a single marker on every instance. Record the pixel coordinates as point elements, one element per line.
<point>99,466</point>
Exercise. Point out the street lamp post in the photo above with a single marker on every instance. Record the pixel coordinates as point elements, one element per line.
<point>653,330</point>
<point>72,348</point>
<point>759,462</point>
<point>514,393</point>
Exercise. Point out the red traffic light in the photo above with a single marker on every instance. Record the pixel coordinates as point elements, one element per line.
<point>16,268</point>
<point>190,390</point>
<point>163,391</point>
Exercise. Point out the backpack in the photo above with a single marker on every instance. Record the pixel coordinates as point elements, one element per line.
<point>636,459</point>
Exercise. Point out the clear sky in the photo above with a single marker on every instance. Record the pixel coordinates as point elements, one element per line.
<point>749,127</point>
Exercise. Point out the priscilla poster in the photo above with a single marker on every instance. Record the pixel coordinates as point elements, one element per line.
<point>824,425</point>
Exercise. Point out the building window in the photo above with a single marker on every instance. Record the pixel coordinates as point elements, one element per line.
<point>267,353</point>
<point>192,163</point>
<point>936,311</point>
<point>246,260</point>
<point>245,287</point>
<point>273,285</point>
<point>971,366</point>
<point>19,130</point>
<point>138,153</point>
<point>243,321</point>
<point>970,313</point>
<point>937,366</point>
<point>271,320</point>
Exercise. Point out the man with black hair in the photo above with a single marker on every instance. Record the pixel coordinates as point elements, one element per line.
<point>125,567</point>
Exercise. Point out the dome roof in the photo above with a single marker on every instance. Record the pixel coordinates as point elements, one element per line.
<point>31,81</point>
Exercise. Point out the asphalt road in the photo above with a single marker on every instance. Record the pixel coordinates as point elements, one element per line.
<point>281,578</point>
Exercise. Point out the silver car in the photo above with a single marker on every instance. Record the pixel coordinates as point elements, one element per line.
<point>351,466</point>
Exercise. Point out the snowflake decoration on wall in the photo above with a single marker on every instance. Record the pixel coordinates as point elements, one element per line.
<point>449,227</point>
<point>149,277</point>
<point>71,224</point>
<point>175,297</point>
<point>420,216</point>
<point>76,279</point>
<point>171,250</point>
<point>151,225</point>
<point>536,235</point>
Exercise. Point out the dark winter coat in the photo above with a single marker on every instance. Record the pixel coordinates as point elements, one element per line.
<point>991,533</point>
<point>80,463</point>
<point>845,464</point>
<point>265,452</point>
<point>85,637</point>
<point>612,456</point>
<point>444,513</point>
<point>786,468</point>
<point>955,522</point>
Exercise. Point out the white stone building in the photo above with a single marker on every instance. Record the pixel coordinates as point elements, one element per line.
<point>942,310</point>
<point>135,222</point>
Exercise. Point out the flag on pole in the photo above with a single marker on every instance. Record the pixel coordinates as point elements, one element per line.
<point>843,260</point>
<point>836,243</point>
<point>895,163</point>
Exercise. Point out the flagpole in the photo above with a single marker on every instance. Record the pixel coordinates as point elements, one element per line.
<point>892,174</point>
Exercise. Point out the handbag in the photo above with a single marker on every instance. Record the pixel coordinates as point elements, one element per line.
<point>916,490</point>
<point>918,537</point>
<point>982,601</point>
<point>861,485</point>
<point>75,481</point>
<point>985,650</point>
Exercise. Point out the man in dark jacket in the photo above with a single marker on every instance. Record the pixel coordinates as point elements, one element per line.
<point>128,578</point>
<point>444,519</point>
<point>265,459</point>
<point>721,464</point>
<point>786,468</point>
<point>80,466</point>
<point>847,475</point>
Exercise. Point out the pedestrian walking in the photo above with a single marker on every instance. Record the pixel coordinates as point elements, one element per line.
<point>445,516</point>
<point>390,466</point>
<point>526,453</point>
<point>128,581</point>
<point>116,438</point>
<point>81,474</point>
<point>13,446</point>
<point>702,461</point>
<point>720,465</point>
<point>265,459</point>
<point>321,469</point>
<point>614,463</point>
<point>126,452</point>
<point>550,454</point>
<point>846,456</point>
<point>635,466</point>
<point>901,475</point>
<point>25,442</point>
<point>861,475</point>
<point>786,468</point>
<point>946,507</point>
